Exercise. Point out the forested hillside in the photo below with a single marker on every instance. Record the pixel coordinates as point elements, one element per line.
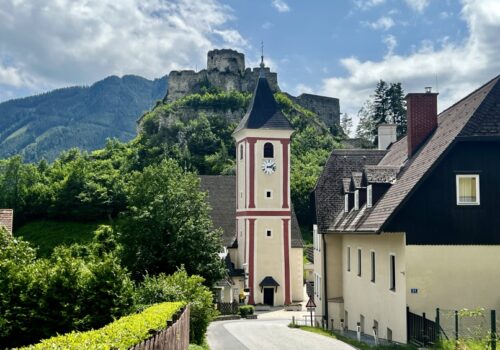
<point>43,126</point>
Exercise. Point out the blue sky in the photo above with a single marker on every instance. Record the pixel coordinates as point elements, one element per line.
<point>334,48</point>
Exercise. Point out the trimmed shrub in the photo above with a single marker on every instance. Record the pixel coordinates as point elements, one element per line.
<point>180,286</point>
<point>121,334</point>
<point>246,310</point>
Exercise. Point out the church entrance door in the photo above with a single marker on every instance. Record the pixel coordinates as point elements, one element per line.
<point>269,296</point>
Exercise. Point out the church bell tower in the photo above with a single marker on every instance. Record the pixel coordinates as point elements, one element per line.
<point>263,208</point>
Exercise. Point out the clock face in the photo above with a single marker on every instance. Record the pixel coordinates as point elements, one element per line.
<point>268,166</point>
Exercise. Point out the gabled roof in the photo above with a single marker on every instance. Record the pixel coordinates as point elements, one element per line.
<point>222,198</point>
<point>477,115</point>
<point>263,111</point>
<point>7,219</point>
<point>356,177</point>
<point>329,190</point>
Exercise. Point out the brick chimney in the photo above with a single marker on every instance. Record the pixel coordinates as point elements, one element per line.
<point>7,218</point>
<point>386,135</point>
<point>421,111</point>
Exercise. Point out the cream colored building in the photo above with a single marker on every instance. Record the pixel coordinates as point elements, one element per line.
<point>262,236</point>
<point>415,225</point>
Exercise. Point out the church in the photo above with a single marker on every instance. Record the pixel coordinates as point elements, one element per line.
<point>261,235</point>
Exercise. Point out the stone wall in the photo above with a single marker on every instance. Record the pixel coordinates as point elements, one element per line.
<point>226,60</point>
<point>7,219</point>
<point>327,108</point>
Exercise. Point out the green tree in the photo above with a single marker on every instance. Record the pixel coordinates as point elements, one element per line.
<point>397,107</point>
<point>346,124</point>
<point>167,225</point>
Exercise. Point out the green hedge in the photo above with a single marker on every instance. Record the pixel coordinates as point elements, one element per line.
<point>121,334</point>
<point>246,310</point>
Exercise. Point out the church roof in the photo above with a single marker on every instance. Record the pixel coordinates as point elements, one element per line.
<point>263,111</point>
<point>268,281</point>
<point>222,198</point>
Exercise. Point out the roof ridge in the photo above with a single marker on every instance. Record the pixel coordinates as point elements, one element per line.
<point>470,94</point>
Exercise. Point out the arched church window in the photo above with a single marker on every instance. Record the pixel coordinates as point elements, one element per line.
<point>241,151</point>
<point>268,150</point>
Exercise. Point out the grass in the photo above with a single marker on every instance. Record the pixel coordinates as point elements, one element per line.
<point>48,234</point>
<point>355,343</point>
<point>203,346</point>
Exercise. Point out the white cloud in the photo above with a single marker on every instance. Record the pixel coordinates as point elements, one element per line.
<point>418,5</point>
<point>303,89</point>
<point>384,23</point>
<point>46,44</point>
<point>281,6</point>
<point>367,4</point>
<point>459,68</point>
<point>391,43</point>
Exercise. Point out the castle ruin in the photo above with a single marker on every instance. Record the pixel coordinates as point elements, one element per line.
<point>226,71</point>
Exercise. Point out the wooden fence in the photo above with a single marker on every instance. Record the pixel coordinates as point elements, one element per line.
<point>174,337</point>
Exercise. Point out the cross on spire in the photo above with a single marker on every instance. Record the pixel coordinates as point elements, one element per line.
<point>261,73</point>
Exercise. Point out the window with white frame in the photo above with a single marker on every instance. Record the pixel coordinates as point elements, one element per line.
<point>348,257</point>
<point>269,233</point>
<point>346,202</point>
<point>369,196</point>
<point>392,277</point>
<point>356,200</point>
<point>468,189</point>
<point>359,262</point>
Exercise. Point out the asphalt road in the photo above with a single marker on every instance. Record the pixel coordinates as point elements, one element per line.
<point>266,334</point>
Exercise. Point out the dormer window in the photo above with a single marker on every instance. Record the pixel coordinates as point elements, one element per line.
<point>369,196</point>
<point>468,189</point>
<point>268,150</point>
<point>356,200</point>
<point>346,203</point>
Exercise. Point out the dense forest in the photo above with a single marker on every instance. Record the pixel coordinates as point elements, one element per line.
<point>44,125</point>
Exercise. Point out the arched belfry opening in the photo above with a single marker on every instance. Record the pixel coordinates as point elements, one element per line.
<point>268,150</point>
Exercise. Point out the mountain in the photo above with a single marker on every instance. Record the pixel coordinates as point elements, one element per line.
<point>44,125</point>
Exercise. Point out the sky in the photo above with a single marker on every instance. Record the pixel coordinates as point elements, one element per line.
<point>333,48</point>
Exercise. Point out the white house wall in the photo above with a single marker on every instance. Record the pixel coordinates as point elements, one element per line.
<point>452,277</point>
<point>375,301</point>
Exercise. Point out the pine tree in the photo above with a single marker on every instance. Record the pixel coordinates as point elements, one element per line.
<point>346,124</point>
<point>397,106</point>
<point>381,109</point>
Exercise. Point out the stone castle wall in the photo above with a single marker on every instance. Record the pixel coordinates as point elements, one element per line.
<point>226,71</point>
<point>328,108</point>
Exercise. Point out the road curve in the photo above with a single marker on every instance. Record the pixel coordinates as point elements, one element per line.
<point>266,334</point>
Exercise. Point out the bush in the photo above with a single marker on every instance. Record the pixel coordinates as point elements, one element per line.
<point>180,286</point>
<point>246,310</point>
<point>121,334</point>
<point>75,289</point>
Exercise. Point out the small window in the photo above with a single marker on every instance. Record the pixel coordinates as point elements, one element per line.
<point>241,151</point>
<point>316,238</point>
<point>369,197</point>
<point>467,189</point>
<point>346,203</point>
<point>269,194</point>
<point>348,258</point>
<point>392,263</point>
<point>389,335</point>
<point>356,200</point>
<point>359,262</point>
<point>268,150</point>
<point>269,233</point>
<point>373,266</point>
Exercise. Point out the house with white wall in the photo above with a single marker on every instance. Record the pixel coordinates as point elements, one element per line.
<point>414,223</point>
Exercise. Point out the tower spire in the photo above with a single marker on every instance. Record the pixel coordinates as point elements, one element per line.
<point>261,73</point>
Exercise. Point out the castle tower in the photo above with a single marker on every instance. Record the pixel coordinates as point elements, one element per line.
<point>263,211</point>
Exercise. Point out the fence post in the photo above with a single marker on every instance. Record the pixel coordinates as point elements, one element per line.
<point>456,325</point>
<point>438,333</point>
<point>493,330</point>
